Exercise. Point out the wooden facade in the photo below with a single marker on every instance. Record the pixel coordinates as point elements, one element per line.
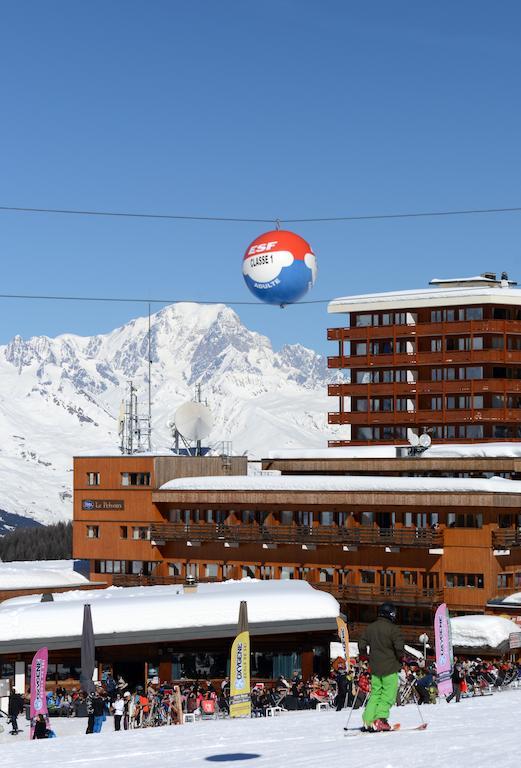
<point>452,368</point>
<point>417,549</point>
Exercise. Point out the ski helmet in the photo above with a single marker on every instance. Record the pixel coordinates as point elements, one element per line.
<point>387,611</point>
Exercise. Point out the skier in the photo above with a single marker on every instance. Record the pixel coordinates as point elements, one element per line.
<point>15,707</point>
<point>386,649</point>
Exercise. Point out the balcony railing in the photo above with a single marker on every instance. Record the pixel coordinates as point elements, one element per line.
<point>506,538</point>
<point>410,634</point>
<point>363,594</point>
<point>425,329</point>
<point>367,593</point>
<point>297,534</point>
<point>449,415</point>
<point>412,388</point>
<point>413,359</point>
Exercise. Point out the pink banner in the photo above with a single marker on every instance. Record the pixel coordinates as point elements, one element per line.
<point>38,693</point>
<point>444,657</point>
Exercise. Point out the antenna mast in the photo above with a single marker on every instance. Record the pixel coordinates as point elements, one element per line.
<point>134,431</point>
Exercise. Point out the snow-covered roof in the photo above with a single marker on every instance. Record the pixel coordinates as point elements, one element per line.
<point>513,600</point>
<point>35,574</point>
<point>426,297</point>
<point>441,451</point>
<point>481,631</point>
<point>122,615</point>
<point>344,483</point>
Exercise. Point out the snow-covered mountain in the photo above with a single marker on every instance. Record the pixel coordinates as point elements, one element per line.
<point>60,397</point>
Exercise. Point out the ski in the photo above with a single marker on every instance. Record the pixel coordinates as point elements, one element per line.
<point>395,727</point>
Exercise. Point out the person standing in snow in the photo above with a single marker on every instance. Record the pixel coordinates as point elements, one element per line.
<point>15,707</point>
<point>383,642</point>
<point>118,707</point>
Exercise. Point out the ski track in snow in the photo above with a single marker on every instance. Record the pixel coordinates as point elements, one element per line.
<point>478,732</point>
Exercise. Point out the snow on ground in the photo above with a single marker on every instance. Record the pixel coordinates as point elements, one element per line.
<point>345,483</point>
<point>479,732</point>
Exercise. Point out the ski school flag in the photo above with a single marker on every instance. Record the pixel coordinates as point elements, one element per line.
<point>240,698</point>
<point>343,634</point>
<point>444,656</point>
<point>38,695</point>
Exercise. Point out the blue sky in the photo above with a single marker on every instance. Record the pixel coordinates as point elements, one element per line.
<point>286,108</point>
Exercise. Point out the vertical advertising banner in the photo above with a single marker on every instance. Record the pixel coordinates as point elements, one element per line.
<point>240,698</point>
<point>444,655</point>
<point>38,704</point>
<point>343,634</point>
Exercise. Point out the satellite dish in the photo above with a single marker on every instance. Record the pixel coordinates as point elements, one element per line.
<point>413,439</point>
<point>425,440</point>
<point>193,421</point>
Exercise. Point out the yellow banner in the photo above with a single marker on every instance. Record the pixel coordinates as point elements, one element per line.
<point>343,634</point>
<point>240,698</point>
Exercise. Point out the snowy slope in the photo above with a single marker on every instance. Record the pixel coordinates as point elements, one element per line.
<point>60,397</point>
<point>480,733</point>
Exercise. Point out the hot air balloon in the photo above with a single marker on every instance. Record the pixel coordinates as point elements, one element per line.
<point>279,267</point>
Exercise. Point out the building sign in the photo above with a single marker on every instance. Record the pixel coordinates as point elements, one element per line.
<point>514,640</point>
<point>101,505</point>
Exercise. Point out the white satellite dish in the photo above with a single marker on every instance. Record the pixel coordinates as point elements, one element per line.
<point>413,438</point>
<point>425,440</point>
<point>193,421</point>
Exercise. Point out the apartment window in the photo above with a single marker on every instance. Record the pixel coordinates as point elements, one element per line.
<point>93,531</point>
<point>387,319</point>
<point>286,572</point>
<point>364,321</point>
<point>474,313</point>
<point>400,318</point>
<point>460,580</point>
<point>503,580</point>
<point>93,478</point>
<point>436,403</point>
<point>368,577</point>
<point>140,533</point>
<point>517,579</point>
<point>286,517</point>
<point>326,518</point>
<point>175,569</point>
<point>361,348</point>
<point>436,345</point>
<point>325,575</point>
<point>248,516</point>
<point>123,532</point>
<point>410,578</point>
<point>266,572</point>
<point>142,567</point>
<point>111,566</point>
<point>501,431</point>
<point>436,316</point>
<point>228,571</point>
<point>473,431</point>
<point>212,570</point>
<point>465,520</point>
<point>363,377</point>
<point>473,372</point>
<point>135,478</point>
<point>403,403</point>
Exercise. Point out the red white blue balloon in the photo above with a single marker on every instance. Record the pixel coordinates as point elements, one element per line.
<point>279,267</point>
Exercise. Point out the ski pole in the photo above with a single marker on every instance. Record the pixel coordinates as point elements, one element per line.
<point>352,707</point>
<point>418,707</point>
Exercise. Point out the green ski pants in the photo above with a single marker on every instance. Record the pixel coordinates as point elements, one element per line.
<point>382,698</point>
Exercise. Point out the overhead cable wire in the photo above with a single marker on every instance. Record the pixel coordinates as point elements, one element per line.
<point>253,220</point>
<point>120,299</point>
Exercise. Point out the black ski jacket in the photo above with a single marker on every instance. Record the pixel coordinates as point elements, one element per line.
<point>386,649</point>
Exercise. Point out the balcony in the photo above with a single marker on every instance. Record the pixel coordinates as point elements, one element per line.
<point>507,538</point>
<point>413,388</point>
<point>298,535</point>
<point>409,633</point>
<point>448,416</point>
<point>463,327</point>
<point>366,593</point>
<point>412,360</point>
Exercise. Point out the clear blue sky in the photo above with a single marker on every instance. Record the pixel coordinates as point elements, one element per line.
<point>275,108</point>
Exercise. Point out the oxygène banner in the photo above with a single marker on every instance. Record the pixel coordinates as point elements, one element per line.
<point>38,704</point>
<point>240,698</point>
<point>444,655</point>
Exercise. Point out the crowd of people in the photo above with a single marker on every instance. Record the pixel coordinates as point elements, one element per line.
<point>381,677</point>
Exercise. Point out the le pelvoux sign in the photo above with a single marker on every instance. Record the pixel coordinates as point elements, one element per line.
<point>96,505</point>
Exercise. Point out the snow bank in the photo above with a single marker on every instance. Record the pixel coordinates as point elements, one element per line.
<point>481,631</point>
<point>345,484</point>
<point>515,598</point>
<point>33,574</point>
<point>123,610</point>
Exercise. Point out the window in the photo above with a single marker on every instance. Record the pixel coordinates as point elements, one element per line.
<point>135,478</point>
<point>503,580</point>
<point>436,345</point>
<point>326,518</point>
<point>410,578</point>
<point>212,570</point>
<point>140,533</point>
<point>361,348</point>
<point>473,372</point>
<point>93,478</point>
<point>93,531</point>
<point>123,532</point>
<point>175,569</point>
<point>367,577</point>
<point>364,321</point>
<point>248,571</point>
<point>286,572</point>
<point>465,520</point>
<point>111,566</point>
<point>474,313</point>
<point>457,580</point>
<point>266,572</point>
<point>248,516</point>
<point>325,575</point>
